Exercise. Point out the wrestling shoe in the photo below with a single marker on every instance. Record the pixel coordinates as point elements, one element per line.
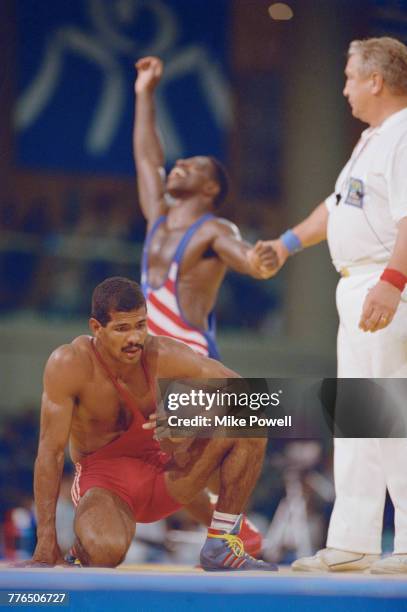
<point>394,564</point>
<point>334,560</point>
<point>71,558</point>
<point>251,537</point>
<point>225,552</point>
<point>249,534</point>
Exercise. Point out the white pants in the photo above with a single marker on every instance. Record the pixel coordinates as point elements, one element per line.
<point>365,467</point>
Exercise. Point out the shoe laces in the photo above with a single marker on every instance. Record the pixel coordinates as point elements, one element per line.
<point>233,541</point>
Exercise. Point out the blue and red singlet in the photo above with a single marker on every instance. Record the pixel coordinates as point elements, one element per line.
<point>165,316</point>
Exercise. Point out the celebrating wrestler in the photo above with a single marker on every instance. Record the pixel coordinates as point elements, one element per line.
<point>188,249</point>
<point>99,394</point>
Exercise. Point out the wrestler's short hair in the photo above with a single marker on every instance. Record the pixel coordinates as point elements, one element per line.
<point>115,294</point>
<point>385,55</point>
<point>221,176</point>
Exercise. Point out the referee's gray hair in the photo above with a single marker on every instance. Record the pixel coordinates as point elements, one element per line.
<point>385,55</point>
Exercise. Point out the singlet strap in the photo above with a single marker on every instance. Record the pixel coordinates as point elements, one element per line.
<point>146,247</point>
<point>124,393</point>
<point>179,253</point>
<point>150,379</point>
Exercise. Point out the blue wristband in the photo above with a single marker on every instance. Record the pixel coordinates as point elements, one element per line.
<point>291,242</point>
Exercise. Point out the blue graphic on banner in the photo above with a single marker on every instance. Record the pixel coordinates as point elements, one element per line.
<point>75,103</point>
<point>388,18</point>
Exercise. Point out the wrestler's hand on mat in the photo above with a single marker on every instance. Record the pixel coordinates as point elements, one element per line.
<point>149,72</point>
<point>45,555</point>
<point>263,260</point>
<point>379,307</point>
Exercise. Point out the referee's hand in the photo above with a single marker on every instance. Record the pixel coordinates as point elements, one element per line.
<point>379,307</point>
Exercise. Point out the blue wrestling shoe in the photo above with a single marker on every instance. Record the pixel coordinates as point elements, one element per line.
<point>225,552</point>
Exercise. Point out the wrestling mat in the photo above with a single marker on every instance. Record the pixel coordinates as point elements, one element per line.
<point>169,588</point>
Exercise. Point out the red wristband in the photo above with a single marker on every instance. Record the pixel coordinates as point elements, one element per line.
<point>395,278</point>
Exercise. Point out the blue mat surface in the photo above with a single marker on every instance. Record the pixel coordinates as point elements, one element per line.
<point>119,591</point>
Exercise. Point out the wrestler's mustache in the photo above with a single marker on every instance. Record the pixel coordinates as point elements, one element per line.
<point>131,347</point>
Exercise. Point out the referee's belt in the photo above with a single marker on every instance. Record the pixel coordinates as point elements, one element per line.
<point>367,268</point>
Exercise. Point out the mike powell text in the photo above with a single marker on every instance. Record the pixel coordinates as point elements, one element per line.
<point>229,421</point>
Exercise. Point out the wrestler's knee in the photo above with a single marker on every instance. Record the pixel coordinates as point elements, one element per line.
<point>96,550</point>
<point>104,528</point>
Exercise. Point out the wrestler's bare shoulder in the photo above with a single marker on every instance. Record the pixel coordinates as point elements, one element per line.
<point>154,347</point>
<point>174,359</point>
<point>220,226</point>
<point>160,346</point>
<point>73,358</point>
<point>169,358</point>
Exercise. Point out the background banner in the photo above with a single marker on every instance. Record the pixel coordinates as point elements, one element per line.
<point>75,98</point>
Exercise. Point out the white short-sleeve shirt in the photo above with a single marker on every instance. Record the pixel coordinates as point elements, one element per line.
<point>370,196</point>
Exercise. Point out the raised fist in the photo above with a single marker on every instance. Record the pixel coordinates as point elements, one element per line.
<point>149,72</point>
